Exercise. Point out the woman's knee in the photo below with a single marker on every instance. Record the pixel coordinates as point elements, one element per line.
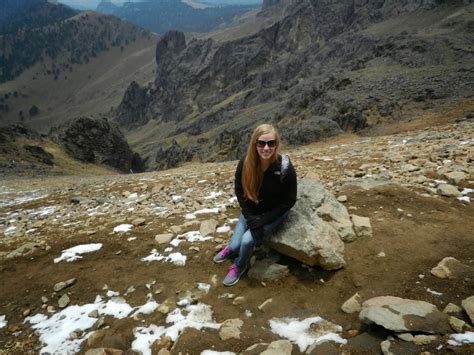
<point>247,239</point>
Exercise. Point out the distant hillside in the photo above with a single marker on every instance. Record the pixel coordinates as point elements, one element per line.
<point>68,42</point>
<point>28,14</point>
<point>164,15</point>
<point>315,69</point>
<point>80,66</point>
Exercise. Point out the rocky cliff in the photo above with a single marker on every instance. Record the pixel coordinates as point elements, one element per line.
<point>97,141</point>
<point>323,68</point>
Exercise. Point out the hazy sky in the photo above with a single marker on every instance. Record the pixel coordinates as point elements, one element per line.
<point>92,4</point>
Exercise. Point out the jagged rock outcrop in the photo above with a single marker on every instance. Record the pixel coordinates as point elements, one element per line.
<point>94,140</point>
<point>133,106</point>
<point>321,68</point>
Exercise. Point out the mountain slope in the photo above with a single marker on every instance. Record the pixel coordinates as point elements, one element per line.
<point>83,71</point>
<point>164,15</point>
<point>323,68</point>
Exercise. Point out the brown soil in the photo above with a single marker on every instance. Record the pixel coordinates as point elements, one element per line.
<point>415,232</point>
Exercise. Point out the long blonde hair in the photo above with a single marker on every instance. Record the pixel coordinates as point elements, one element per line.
<point>252,175</point>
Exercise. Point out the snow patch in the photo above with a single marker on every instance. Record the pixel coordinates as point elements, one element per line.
<point>74,253</point>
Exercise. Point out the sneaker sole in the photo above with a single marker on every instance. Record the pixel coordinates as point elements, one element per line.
<point>219,261</point>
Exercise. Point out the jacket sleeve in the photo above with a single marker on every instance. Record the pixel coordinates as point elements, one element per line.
<point>245,205</point>
<point>288,200</point>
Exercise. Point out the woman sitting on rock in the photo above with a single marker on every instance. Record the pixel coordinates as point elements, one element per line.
<point>265,185</point>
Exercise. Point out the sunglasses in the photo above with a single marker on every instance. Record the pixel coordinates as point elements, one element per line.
<point>262,144</point>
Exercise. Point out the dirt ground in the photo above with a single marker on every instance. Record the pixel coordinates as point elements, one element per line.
<point>414,231</point>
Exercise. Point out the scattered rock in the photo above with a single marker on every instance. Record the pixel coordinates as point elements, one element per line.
<point>63,284</point>
<point>280,347</point>
<point>362,226</point>
<point>451,268</point>
<point>138,222</point>
<point>422,339</point>
<point>164,238</point>
<point>25,249</point>
<point>230,329</point>
<point>208,227</point>
<point>402,315</point>
<point>265,304</point>
<point>352,305</point>
<point>456,177</point>
<point>468,305</point>
<point>63,301</point>
<point>452,308</point>
<point>448,190</point>
<point>457,324</point>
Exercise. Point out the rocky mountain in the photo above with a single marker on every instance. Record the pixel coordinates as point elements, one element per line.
<point>97,141</point>
<point>163,15</point>
<point>28,14</point>
<point>54,69</point>
<point>59,42</point>
<point>319,69</point>
<point>79,145</point>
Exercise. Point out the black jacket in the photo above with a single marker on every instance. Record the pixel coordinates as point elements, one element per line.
<point>275,196</point>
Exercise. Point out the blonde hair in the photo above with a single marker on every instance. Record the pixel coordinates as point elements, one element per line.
<point>252,175</point>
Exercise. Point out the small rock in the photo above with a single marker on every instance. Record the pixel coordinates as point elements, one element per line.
<point>406,337</point>
<point>385,347</point>
<point>163,238</point>
<point>63,284</point>
<point>208,227</point>
<point>448,190</point>
<point>342,198</point>
<point>455,177</point>
<point>452,308</point>
<point>64,301</point>
<point>362,226</point>
<point>138,222</point>
<point>410,168</point>
<point>457,324</point>
<point>44,299</point>
<point>230,329</point>
<point>239,300</point>
<point>265,305</point>
<point>26,312</point>
<point>280,347</point>
<point>422,339</point>
<point>449,268</point>
<point>166,306</point>
<point>352,305</point>
<point>468,305</point>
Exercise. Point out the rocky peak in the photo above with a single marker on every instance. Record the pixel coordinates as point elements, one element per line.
<point>132,108</point>
<point>172,43</point>
<point>93,140</point>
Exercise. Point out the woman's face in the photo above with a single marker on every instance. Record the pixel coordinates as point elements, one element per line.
<point>266,146</point>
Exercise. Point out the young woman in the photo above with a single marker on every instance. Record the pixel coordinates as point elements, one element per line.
<point>266,191</point>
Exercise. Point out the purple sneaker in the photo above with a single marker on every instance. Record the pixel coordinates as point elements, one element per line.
<point>222,256</point>
<point>233,276</point>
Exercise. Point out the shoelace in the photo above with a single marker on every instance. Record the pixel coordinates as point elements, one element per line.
<point>234,269</point>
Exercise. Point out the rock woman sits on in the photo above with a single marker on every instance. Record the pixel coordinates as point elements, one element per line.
<point>265,186</point>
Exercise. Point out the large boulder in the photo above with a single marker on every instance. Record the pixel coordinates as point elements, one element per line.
<point>93,140</point>
<point>315,228</point>
<point>404,315</point>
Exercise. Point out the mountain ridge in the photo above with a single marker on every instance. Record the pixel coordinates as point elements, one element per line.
<point>321,66</point>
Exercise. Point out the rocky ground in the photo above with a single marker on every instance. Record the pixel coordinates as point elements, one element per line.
<point>151,238</point>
